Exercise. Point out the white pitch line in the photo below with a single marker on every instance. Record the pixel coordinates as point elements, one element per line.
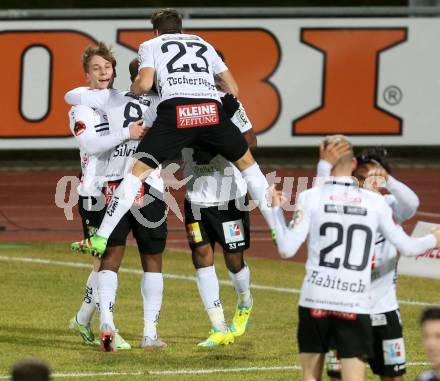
<point>186,371</point>
<point>177,277</point>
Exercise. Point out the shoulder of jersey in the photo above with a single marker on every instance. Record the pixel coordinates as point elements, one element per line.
<point>81,108</point>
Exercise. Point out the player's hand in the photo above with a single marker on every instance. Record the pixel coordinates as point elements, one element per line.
<point>137,131</point>
<point>277,197</point>
<point>333,151</point>
<point>379,171</point>
<point>436,233</point>
<point>376,179</point>
<point>230,105</point>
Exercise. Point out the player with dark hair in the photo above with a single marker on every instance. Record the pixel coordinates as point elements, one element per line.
<point>30,370</point>
<point>373,172</point>
<point>430,322</point>
<point>183,67</point>
<point>341,223</point>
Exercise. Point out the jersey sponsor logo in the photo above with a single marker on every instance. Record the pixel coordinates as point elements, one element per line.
<point>317,313</point>
<point>109,191</point>
<point>434,254</point>
<point>79,128</point>
<point>233,231</point>
<point>345,199</point>
<point>393,351</point>
<point>378,320</point>
<point>194,233</point>
<point>345,209</point>
<point>196,115</point>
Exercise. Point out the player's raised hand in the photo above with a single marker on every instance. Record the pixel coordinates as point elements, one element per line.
<point>277,197</point>
<point>137,130</point>
<point>379,171</point>
<point>333,151</point>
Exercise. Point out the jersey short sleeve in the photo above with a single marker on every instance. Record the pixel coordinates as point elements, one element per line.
<point>218,66</point>
<point>146,58</point>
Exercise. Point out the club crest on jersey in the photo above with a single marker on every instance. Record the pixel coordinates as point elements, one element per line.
<point>194,233</point>
<point>233,231</point>
<point>79,128</point>
<point>197,115</point>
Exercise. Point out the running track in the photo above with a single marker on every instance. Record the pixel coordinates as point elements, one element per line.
<point>27,199</point>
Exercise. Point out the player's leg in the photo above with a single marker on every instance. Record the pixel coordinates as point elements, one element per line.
<point>311,366</point>
<point>232,228</point>
<point>388,361</point>
<point>201,243</point>
<point>352,369</point>
<point>150,230</point>
<point>352,337</point>
<point>81,322</point>
<point>313,340</point>
<point>333,365</point>
<point>219,140</point>
<point>108,285</point>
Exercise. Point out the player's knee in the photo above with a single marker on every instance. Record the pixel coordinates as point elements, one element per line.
<point>141,170</point>
<point>245,161</point>
<point>234,262</point>
<point>202,256</point>
<point>152,263</point>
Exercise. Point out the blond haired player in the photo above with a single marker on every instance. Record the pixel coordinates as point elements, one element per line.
<point>341,223</point>
<point>148,223</point>
<point>91,130</point>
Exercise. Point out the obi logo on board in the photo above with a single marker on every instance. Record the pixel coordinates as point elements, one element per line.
<point>350,76</point>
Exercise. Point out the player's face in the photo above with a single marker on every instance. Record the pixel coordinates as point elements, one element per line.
<point>431,340</point>
<point>100,74</point>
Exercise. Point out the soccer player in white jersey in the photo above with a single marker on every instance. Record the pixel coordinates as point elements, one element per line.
<point>148,223</point>
<point>96,141</point>
<point>341,222</point>
<point>215,211</point>
<point>430,322</point>
<point>389,349</point>
<point>183,67</point>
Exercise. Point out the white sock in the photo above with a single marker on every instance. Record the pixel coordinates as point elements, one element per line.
<point>108,284</point>
<point>241,281</point>
<point>120,204</point>
<point>209,289</point>
<point>152,291</point>
<point>88,306</point>
<point>258,186</point>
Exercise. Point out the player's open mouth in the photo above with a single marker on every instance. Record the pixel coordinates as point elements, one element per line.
<point>104,80</point>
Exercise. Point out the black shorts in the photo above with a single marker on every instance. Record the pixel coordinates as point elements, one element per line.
<point>321,330</point>
<point>228,227</point>
<point>176,128</point>
<point>389,348</point>
<point>148,223</point>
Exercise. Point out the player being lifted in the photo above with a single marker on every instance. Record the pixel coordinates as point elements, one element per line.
<point>342,223</point>
<point>148,224</point>
<point>372,168</point>
<point>190,112</point>
<point>215,212</point>
<point>96,142</point>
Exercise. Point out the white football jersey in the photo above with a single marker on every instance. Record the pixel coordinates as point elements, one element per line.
<point>90,127</point>
<point>342,222</point>
<point>122,108</point>
<point>217,180</point>
<point>384,261</point>
<point>184,65</point>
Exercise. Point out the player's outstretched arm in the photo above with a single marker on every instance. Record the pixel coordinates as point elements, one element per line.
<point>408,246</point>
<point>91,98</point>
<point>290,237</point>
<point>406,202</point>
